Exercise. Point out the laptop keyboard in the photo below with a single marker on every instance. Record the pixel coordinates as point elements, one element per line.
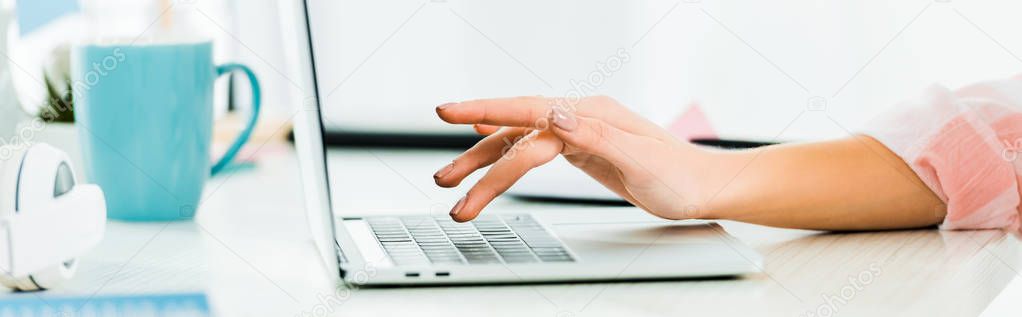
<point>490,239</point>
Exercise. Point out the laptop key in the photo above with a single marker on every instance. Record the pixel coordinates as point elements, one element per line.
<point>490,239</point>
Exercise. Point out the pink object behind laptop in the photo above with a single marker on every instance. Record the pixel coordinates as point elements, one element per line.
<point>692,124</point>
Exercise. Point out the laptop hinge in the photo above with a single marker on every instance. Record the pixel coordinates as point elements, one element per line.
<point>341,259</point>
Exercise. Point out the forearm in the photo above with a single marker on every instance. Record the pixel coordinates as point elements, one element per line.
<point>849,184</point>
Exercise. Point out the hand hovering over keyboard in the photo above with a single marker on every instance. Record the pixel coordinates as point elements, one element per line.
<point>621,150</point>
<point>842,184</point>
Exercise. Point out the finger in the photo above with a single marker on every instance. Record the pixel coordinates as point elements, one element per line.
<point>516,112</point>
<point>484,153</point>
<point>532,112</point>
<point>628,152</point>
<point>534,150</point>
<point>485,129</point>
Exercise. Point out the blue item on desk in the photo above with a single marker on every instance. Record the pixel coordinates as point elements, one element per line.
<point>34,14</point>
<point>146,123</point>
<point>178,305</point>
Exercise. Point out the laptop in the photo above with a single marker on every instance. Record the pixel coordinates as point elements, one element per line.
<point>547,243</point>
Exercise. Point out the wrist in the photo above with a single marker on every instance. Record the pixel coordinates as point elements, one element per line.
<point>697,168</point>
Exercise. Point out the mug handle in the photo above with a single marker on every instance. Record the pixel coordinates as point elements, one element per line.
<point>243,137</point>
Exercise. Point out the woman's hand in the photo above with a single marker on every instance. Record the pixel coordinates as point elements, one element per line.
<point>626,153</point>
<point>853,183</point>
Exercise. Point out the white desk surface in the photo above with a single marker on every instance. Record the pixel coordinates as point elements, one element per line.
<point>250,250</point>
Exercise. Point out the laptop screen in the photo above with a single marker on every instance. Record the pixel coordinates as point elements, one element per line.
<point>362,181</point>
<point>384,65</point>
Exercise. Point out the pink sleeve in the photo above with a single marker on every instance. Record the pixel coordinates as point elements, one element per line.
<point>965,145</point>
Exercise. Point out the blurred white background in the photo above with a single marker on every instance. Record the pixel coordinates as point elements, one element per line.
<point>242,31</point>
<point>754,66</point>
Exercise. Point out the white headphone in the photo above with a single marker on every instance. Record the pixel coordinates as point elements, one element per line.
<point>46,218</point>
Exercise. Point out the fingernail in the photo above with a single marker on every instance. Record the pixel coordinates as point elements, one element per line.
<point>458,206</point>
<point>564,119</point>
<point>444,171</point>
<point>444,106</point>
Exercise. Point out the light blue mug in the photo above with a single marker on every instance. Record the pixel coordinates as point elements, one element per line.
<point>144,114</point>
